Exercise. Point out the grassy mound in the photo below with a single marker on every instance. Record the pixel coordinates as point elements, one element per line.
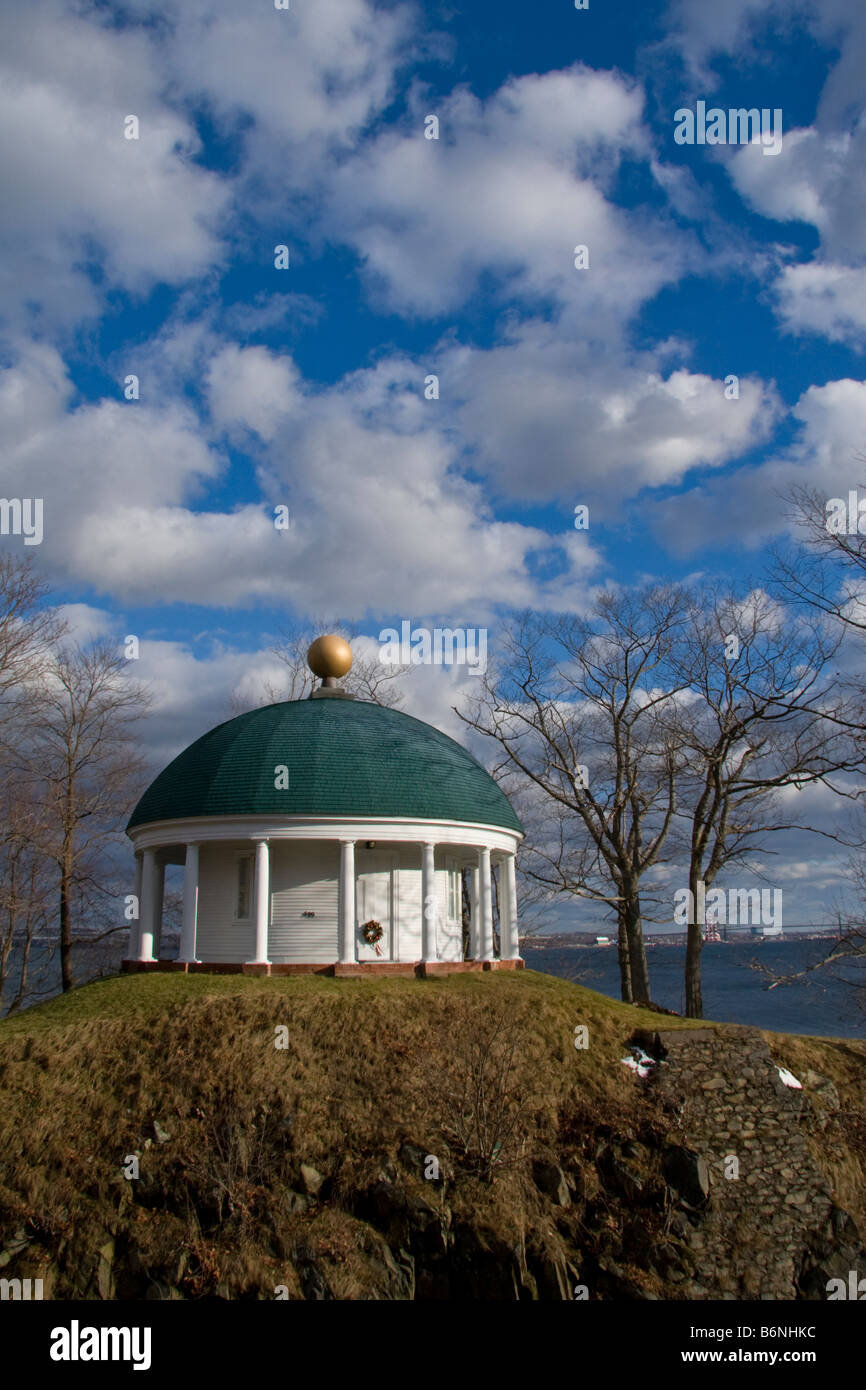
<point>306,1167</point>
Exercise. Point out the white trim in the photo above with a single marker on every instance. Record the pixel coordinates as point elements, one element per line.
<point>347,904</point>
<point>206,829</point>
<point>396,953</point>
<point>190,903</point>
<point>509,938</point>
<point>262,900</point>
<point>147,907</point>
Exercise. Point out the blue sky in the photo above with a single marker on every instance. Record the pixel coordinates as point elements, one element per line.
<point>409,256</point>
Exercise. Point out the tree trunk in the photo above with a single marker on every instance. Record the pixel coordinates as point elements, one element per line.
<point>694,945</point>
<point>465,910</point>
<point>624,962</point>
<point>636,950</point>
<point>65,928</point>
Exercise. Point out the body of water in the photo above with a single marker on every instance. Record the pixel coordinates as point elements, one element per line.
<point>829,1005</point>
<point>89,962</point>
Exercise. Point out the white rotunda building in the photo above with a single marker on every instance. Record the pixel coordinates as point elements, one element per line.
<point>326,835</point>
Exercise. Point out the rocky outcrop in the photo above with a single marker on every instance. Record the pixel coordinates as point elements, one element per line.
<point>697,1175</point>
<point>752,1201</point>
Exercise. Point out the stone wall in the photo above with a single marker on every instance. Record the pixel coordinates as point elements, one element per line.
<point>749,1196</point>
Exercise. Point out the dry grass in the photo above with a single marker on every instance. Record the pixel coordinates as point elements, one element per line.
<point>370,1065</point>
<point>840,1146</point>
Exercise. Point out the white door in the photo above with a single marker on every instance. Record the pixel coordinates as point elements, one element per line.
<point>375,903</point>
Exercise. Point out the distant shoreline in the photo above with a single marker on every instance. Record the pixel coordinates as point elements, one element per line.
<point>560,940</point>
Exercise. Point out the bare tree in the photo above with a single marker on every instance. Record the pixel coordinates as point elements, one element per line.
<point>476,1092</point>
<point>535,901</point>
<point>27,882</point>
<point>79,749</point>
<point>827,570</point>
<point>369,679</point>
<point>575,705</point>
<point>848,945</point>
<point>29,629</point>
<point>761,711</point>
<point>533,897</point>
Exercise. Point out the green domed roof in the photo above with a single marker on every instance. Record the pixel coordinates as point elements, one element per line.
<point>345,758</point>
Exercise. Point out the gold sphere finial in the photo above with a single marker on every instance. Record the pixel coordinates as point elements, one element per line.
<point>329,656</point>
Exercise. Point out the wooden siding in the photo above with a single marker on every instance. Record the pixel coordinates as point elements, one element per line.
<point>304,878</point>
<point>220,936</point>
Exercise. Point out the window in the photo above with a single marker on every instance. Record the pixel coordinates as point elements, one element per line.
<point>245,885</point>
<point>453,890</point>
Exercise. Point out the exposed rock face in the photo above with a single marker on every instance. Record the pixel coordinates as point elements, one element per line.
<point>687,1173</point>
<point>760,1217</point>
<point>704,1181</point>
<point>312,1180</point>
<point>550,1178</point>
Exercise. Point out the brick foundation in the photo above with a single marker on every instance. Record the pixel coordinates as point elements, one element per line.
<point>354,970</point>
<point>299,969</point>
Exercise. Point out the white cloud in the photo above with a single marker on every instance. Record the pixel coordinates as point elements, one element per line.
<point>84,623</point>
<point>385,524</point>
<point>367,474</point>
<point>509,189</point>
<point>253,388</point>
<point>80,456</point>
<point>115,479</point>
<point>750,30</point>
<point>292,84</point>
<point>551,418</point>
<point>746,507</point>
<point>820,176</point>
<point>283,88</point>
<point>825,299</point>
<point>191,692</point>
<point>819,179</point>
<point>75,190</point>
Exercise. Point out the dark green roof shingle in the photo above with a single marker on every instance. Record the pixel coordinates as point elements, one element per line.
<point>345,758</point>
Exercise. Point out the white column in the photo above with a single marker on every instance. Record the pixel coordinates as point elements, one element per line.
<point>135,923</point>
<point>347,943</point>
<point>190,904</point>
<point>509,937</point>
<point>157,915</point>
<point>263,902</point>
<point>485,895</point>
<point>428,903</point>
<point>147,906</point>
<point>475,943</point>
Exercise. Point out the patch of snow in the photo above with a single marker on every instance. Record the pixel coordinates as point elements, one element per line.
<point>640,1062</point>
